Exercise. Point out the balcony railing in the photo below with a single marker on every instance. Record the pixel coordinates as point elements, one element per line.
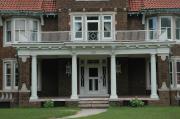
<point>120,36</point>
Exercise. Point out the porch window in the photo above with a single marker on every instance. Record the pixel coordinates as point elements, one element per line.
<point>21,30</point>
<point>166,26</point>
<point>178,28</point>
<point>11,75</point>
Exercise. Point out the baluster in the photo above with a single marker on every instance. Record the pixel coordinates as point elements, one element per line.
<point>2,96</point>
<point>10,96</point>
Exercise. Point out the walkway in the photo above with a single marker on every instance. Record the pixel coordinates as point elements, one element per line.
<point>86,112</point>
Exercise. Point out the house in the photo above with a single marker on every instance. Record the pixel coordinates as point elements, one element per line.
<point>77,51</point>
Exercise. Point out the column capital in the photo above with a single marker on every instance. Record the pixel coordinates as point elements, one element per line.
<point>24,57</point>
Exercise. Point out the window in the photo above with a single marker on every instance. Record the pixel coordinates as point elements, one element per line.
<point>178,72</point>
<point>152,25</point>
<point>21,30</point>
<point>107,23</point>
<point>8,31</point>
<point>92,27</point>
<point>166,26</point>
<point>78,28</point>
<point>178,28</point>
<point>11,75</point>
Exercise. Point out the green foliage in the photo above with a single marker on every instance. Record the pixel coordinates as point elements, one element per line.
<point>136,103</point>
<point>48,104</point>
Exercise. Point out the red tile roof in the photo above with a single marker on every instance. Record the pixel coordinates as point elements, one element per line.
<point>151,4</point>
<point>28,5</point>
<point>136,5</point>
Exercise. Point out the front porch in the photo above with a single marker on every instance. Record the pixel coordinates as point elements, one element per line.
<point>91,70</point>
<point>93,77</point>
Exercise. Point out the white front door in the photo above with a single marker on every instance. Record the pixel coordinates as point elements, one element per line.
<point>93,77</point>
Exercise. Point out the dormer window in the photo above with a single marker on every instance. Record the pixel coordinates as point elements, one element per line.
<point>21,30</point>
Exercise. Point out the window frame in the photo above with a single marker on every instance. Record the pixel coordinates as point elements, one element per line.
<point>13,64</point>
<point>13,30</point>
<point>177,17</point>
<point>101,26</point>
<point>160,28</point>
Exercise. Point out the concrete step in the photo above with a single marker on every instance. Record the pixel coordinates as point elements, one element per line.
<point>94,103</point>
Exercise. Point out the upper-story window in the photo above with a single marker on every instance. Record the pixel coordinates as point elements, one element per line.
<point>178,28</point>
<point>21,30</point>
<point>92,27</point>
<point>161,25</point>
<point>165,23</point>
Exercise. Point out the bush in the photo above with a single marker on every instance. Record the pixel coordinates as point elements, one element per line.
<point>136,103</point>
<point>48,104</point>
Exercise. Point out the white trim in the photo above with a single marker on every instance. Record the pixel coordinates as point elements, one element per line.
<point>12,63</point>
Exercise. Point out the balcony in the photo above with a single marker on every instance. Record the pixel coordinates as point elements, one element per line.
<point>93,36</point>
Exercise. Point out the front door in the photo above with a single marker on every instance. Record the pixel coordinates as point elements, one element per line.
<point>93,77</point>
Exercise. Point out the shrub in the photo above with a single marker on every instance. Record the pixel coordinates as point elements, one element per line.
<point>48,104</point>
<point>136,103</point>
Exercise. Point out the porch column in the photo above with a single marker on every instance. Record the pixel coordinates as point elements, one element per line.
<point>74,77</point>
<point>113,77</point>
<point>34,78</point>
<point>153,77</point>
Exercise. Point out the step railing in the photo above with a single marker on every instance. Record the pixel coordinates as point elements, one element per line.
<point>95,36</point>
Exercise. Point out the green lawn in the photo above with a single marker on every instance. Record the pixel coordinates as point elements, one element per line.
<point>36,113</point>
<point>139,113</point>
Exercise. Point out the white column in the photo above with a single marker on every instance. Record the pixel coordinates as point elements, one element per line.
<point>153,77</point>
<point>34,78</point>
<point>113,77</point>
<point>74,77</point>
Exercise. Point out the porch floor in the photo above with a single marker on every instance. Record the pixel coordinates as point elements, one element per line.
<point>66,99</point>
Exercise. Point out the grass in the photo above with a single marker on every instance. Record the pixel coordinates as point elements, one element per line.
<point>139,113</point>
<point>36,113</point>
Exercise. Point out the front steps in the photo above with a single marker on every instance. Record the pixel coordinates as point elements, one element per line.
<point>94,103</point>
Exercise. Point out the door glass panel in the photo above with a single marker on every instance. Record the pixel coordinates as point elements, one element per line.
<point>90,84</point>
<point>82,76</point>
<point>93,72</point>
<point>96,84</point>
<point>92,31</point>
<point>104,75</point>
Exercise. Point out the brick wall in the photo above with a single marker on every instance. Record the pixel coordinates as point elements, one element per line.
<point>69,6</point>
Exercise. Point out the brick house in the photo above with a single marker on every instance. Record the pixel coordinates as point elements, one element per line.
<point>80,51</point>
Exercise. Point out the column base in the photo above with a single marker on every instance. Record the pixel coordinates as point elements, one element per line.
<point>113,97</point>
<point>33,97</point>
<point>74,97</point>
<point>154,96</point>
